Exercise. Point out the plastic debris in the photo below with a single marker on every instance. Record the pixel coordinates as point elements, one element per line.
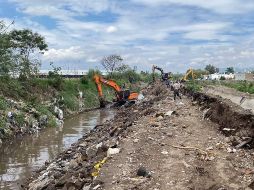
<point>112,151</point>
<point>98,166</point>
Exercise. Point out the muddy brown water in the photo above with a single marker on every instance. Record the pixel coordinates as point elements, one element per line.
<point>23,156</point>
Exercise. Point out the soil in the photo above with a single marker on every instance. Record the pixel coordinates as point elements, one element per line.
<point>190,143</point>
<point>245,100</point>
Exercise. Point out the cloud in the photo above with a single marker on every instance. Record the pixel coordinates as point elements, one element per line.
<point>111,29</point>
<point>219,6</point>
<point>174,34</point>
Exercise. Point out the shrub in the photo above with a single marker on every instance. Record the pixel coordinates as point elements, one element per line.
<point>3,104</point>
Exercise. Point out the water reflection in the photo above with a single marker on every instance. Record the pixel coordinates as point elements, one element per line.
<point>19,158</point>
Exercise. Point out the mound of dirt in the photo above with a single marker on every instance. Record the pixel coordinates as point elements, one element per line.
<point>233,119</point>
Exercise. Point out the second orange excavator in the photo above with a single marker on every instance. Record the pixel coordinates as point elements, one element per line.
<point>122,96</point>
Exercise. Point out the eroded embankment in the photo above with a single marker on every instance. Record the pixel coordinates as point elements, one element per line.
<point>74,168</point>
<point>232,119</point>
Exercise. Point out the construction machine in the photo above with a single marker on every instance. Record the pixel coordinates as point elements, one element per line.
<point>189,74</point>
<point>164,76</point>
<point>122,96</point>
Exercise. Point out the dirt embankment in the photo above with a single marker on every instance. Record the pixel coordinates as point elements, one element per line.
<point>175,145</point>
<point>245,100</point>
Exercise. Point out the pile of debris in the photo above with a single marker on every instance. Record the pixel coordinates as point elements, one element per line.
<point>78,166</point>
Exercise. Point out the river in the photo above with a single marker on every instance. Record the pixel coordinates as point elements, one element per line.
<point>23,156</point>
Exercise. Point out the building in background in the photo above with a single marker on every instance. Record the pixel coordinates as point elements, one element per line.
<point>244,76</point>
<point>218,76</point>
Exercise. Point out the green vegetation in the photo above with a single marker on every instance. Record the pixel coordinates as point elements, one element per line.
<point>242,86</point>
<point>193,86</point>
<point>35,97</point>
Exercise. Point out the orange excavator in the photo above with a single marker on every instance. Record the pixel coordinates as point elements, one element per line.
<point>122,96</point>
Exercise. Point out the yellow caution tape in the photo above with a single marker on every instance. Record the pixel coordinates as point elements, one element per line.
<point>98,166</point>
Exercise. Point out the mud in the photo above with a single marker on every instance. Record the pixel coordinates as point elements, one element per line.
<point>183,144</point>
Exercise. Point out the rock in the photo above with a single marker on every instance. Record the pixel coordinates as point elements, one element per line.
<point>169,134</point>
<point>227,139</point>
<point>228,129</point>
<point>86,187</point>
<point>159,114</point>
<point>43,120</point>
<point>169,113</point>
<point>73,164</point>
<point>231,150</point>
<point>83,144</point>
<point>141,96</point>
<point>135,140</point>
<point>96,187</point>
<point>99,145</point>
<point>91,152</point>
<point>39,184</point>
<point>209,148</point>
<point>164,152</point>
<point>60,114</point>
<point>112,151</point>
<point>143,172</point>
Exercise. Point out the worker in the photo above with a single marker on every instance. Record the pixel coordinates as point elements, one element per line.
<point>176,87</point>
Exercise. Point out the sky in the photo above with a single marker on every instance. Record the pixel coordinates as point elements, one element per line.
<point>172,34</point>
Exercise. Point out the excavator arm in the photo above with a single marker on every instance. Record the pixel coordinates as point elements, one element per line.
<point>190,72</point>
<point>120,94</point>
<point>99,80</point>
<point>158,68</point>
<point>164,76</point>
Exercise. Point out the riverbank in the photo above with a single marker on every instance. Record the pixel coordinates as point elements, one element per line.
<point>22,156</point>
<point>179,144</point>
<point>26,107</point>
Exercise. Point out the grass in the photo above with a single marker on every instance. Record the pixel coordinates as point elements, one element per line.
<point>35,92</point>
<point>242,86</point>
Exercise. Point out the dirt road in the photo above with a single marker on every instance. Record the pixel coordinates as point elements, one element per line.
<point>177,144</point>
<point>182,151</point>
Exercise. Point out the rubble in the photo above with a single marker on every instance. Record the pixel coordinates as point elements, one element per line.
<point>181,150</point>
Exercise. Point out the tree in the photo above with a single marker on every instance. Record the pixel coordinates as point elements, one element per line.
<point>123,68</point>
<point>6,61</point>
<point>26,44</point>
<point>211,69</point>
<point>112,63</point>
<point>230,70</point>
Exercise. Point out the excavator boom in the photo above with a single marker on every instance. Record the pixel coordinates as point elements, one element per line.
<point>120,94</point>
<point>164,76</point>
<point>190,72</point>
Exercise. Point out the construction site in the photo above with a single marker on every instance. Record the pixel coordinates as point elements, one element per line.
<point>126,95</point>
<point>201,141</point>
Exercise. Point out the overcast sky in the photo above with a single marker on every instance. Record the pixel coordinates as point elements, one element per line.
<point>173,34</point>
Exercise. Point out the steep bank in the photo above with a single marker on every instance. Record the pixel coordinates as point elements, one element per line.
<point>181,145</point>
<point>26,107</point>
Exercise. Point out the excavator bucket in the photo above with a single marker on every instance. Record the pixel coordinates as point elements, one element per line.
<point>103,103</point>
